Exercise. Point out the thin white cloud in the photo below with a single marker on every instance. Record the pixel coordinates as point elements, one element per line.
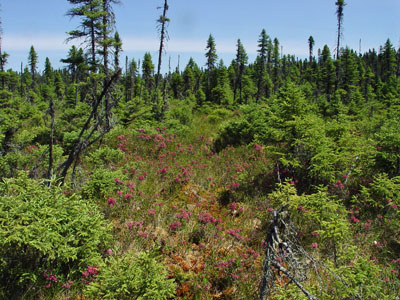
<point>57,43</point>
<point>175,45</point>
<point>40,42</point>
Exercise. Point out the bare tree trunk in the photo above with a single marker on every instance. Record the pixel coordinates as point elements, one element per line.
<point>80,143</point>
<point>51,110</point>
<point>163,20</point>
<point>105,58</point>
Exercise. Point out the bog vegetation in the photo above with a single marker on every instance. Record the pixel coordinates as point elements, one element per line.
<point>131,184</point>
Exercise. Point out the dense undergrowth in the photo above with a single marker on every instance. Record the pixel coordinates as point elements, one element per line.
<point>201,215</point>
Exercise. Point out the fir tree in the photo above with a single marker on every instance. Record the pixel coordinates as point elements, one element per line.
<point>32,62</point>
<point>91,30</point>
<point>241,62</point>
<point>311,44</point>
<point>212,57</point>
<point>148,71</point>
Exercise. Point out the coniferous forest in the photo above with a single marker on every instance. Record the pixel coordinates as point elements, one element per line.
<point>273,179</point>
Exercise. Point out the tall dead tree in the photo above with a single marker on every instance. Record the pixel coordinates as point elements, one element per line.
<point>162,25</point>
<point>108,24</point>
<point>339,13</point>
<point>85,138</point>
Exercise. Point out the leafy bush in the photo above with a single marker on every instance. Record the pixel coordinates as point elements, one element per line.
<point>101,184</point>
<point>244,129</point>
<point>106,155</point>
<point>42,229</point>
<point>133,276</point>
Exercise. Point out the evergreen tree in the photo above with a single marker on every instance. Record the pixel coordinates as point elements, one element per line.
<point>148,72</point>
<point>263,42</point>
<point>48,72</point>
<point>241,62</point>
<point>212,57</point>
<point>189,77</point>
<point>76,66</point>
<point>389,61</point>
<point>117,50</point>
<point>32,62</point>
<point>275,63</point>
<point>311,44</point>
<point>91,30</point>
<point>327,71</point>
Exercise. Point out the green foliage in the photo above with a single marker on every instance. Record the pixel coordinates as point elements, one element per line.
<point>101,184</point>
<point>133,276</point>
<point>316,212</point>
<point>388,156</point>
<point>44,229</point>
<point>105,156</point>
<point>181,111</point>
<point>244,129</point>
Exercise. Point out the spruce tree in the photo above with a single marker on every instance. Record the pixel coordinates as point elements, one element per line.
<point>212,57</point>
<point>91,30</point>
<point>264,53</point>
<point>117,50</point>
<point>32,62</point>
<point>148,71</point>
<point>76,66</point>
<point>241,62</point>
<point>389,63</point>
<point>48,72</point>
<point>311,44</point>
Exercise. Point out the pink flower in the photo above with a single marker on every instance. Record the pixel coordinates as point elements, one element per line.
<point>175,225</point>
<point>257,147</point>
<point>92,270</point>
<point>119,181</point>
<point>85,274</point>
<point>111,201</point>
<point>314,245</point>
<point>109,251</point>
<point>151,212</point>
<point>127,196</point>
<point>141,177</point>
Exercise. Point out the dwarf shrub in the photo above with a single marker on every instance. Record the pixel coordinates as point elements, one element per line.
<point>44,230</point>
<point>133,276</point>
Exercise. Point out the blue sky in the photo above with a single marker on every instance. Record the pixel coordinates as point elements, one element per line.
<point>43,24</point>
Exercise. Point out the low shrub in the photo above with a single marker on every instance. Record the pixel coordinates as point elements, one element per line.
<point>133,276</point>
<point>43,230</point>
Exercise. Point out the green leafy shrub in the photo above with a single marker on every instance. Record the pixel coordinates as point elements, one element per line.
<point>101,184</point>
<point>106,155</point>
<point>133,276</point>
<point>218,115</point>
<point>43,229</point>
<point>244,129</point>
